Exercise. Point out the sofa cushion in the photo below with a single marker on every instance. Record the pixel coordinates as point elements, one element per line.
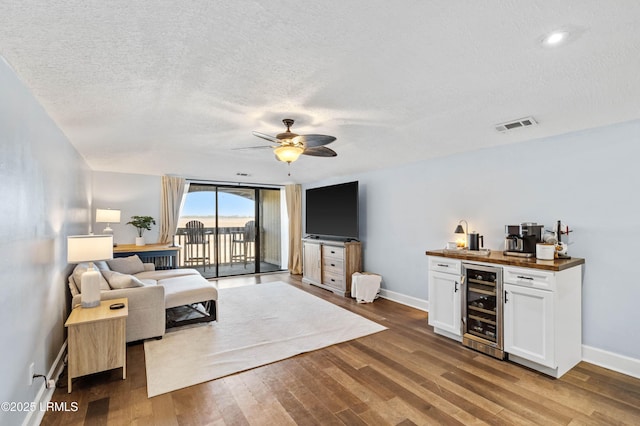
<point>167,273</point>
<point>72,287</point>
<point>126,265</point>
<point>186,290</point>
<point>117,280</point>
<point>101,265</point>
<point>77,277</point>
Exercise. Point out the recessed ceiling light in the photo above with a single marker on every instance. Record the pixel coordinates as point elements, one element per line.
<point>555,38</point>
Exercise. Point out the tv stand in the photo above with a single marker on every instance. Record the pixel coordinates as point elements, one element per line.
<point>329,264</point>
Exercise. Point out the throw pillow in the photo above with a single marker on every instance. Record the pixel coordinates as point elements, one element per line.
<point>126,265</point>
<point>77,277</point>
<point>73,289</point>
<point>119,281</point>
<point>101,265</point>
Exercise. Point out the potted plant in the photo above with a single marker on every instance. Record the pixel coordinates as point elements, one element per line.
<point>142,223</point>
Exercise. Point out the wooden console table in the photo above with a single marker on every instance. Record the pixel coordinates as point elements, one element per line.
<point>163,256</point>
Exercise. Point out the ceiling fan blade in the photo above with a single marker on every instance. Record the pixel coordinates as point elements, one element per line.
<point>267,137</point>
<point>320,151</point>
<point>311,141</point>
<point>254,147</point>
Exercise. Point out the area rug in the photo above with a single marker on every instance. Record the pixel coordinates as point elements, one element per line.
<point>257,325</point>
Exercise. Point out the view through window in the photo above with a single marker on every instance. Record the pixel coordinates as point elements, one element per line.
<point>231,230</point>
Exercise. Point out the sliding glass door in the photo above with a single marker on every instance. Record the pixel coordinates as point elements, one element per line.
<point>231,230</point>
<point>237,231</point>
<point>271,209</point>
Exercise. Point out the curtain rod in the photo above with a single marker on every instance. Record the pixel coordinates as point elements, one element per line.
<point>218,182</point>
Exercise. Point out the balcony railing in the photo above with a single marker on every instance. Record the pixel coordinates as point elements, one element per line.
<point>231,247</point>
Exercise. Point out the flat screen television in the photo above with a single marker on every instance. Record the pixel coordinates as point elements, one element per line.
<point>332,211</point>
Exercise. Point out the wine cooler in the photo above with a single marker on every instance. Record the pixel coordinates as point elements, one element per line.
<point>482,309</point>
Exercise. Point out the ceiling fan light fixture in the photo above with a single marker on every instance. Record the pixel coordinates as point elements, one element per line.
<point>289,146</point>
<point>288,153</point>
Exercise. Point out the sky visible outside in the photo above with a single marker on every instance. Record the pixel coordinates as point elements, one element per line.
<point>203,203</point>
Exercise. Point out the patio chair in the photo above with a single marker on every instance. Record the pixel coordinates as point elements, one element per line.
<point>197,244</point>
<point>242,244</point>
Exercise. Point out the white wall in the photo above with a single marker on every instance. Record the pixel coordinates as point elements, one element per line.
<point>133,195</point>
<point>45,196</point>
<point>587,179</point>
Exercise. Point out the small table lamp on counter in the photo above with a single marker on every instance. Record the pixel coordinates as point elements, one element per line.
<point>107,216</point>
<point>89,248</point>
<point>462,231</point>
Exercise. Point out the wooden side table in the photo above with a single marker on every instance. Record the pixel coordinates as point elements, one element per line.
<point>97,339</point>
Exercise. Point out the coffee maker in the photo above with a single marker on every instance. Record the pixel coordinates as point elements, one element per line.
<point>521,239</point>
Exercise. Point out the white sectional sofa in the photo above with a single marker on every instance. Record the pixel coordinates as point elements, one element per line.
<point>150,292</point>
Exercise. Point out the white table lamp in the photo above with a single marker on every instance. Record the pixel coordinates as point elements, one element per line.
<point>89,248</point>
<point>107,216</point>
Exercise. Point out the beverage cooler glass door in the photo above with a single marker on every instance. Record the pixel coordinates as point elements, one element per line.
<point>482,308</point>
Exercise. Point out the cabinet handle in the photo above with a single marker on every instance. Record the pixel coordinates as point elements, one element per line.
<point>505,297</point>
<point>525,278</point>
<point>455,288</point>
<point>443,265</point>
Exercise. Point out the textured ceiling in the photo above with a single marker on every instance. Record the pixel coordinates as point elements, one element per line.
<point>169,87</point>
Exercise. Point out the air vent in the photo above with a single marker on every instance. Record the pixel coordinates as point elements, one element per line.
<point>516,124</point>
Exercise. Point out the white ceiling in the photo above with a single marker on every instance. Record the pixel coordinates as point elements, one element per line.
<point>173,87</point>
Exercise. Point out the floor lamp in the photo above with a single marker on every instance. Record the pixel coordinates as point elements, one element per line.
<point>89,248</point>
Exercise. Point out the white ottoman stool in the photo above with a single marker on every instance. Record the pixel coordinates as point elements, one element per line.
<point>365,286</point>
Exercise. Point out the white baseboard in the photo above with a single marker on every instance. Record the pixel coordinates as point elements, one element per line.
<point>620,363</point>
<point>414,302</point>
<point>44,395</point>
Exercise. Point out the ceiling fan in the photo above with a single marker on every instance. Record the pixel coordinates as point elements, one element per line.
<point>291,145</point>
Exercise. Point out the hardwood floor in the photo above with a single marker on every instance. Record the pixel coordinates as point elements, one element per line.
<point>405,375</point>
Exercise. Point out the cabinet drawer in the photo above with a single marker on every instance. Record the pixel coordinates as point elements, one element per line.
<point>333,265</point>
<point>443,264</point>
<point>332,252</point>
<point>532,278</point>
<point>333,280</point>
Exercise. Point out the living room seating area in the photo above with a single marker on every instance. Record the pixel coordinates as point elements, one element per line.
<point>152,294</point>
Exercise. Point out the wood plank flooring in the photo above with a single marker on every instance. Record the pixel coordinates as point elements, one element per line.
<point>405,375</point>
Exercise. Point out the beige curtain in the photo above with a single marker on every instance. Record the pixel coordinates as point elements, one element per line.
<point>171,199</point>
<point>294,210</point>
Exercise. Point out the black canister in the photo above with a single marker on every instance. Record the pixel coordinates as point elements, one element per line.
<point>476,241</point>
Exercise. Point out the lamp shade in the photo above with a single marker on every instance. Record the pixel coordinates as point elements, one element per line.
<point>459,230</point>
<point>288,153</point>
<point>88,248</point>
<point>107,216</point>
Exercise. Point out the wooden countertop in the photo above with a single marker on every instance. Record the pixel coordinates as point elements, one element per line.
<point>523,262</point>
<point>126,248</point>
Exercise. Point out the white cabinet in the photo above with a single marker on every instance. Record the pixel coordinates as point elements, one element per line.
<point>528,328</point>
<point>445,297</point>
<point>543,319</point>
